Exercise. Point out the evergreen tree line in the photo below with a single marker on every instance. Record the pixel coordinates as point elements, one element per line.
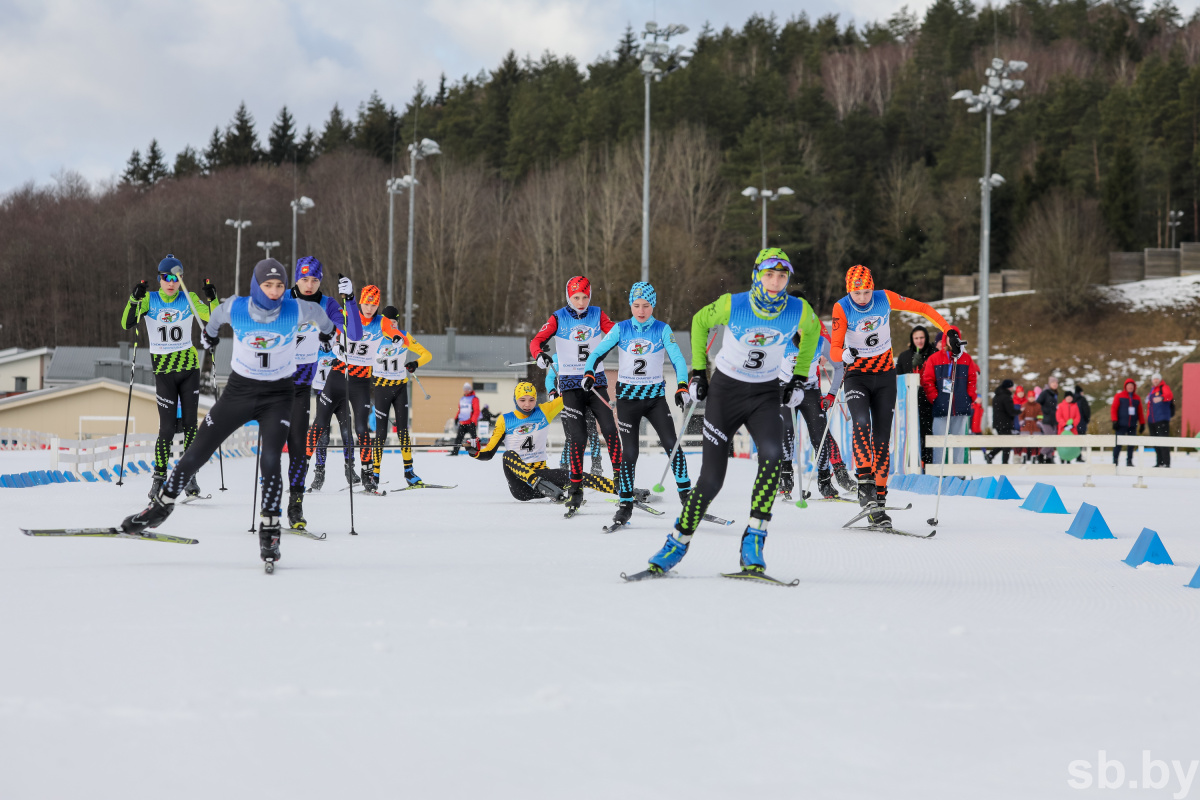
<point>540,176</point>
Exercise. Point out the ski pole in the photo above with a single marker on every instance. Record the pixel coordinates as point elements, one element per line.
<point>254,497</point>
<point>658,487</point>
<point>418,380</point>
<point>129,401</point>
<point>177,271</point>
<point>346,375</point>
<point>602,400</point>
<point>802,503</point>
<point>945,437</point>
<point>518,363</point>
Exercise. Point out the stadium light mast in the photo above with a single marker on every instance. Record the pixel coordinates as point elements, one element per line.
<point>653,52</point>
<point>394,187</point>
<point>416,152</point>
<point>990,101</point>
<point>267,247</point>
<point>299,206</point>
<point>766,194</point>
<point>239,225</point>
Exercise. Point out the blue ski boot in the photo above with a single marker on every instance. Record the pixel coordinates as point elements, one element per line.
<point>412,478</point>
<point>752,550</point>
<point>672,551</point>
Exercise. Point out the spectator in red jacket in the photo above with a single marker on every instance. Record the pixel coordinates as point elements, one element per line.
<point>1160,407</point>
<point>1127,418</point>
<point>935,383</point>
<point>1068,414</point>
<point>467,418</point>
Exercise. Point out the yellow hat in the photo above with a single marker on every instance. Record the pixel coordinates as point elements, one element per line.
<point>524,389</point>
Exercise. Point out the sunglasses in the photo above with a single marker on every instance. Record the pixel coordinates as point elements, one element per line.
<point>775,263</point>
<point>169,278</point>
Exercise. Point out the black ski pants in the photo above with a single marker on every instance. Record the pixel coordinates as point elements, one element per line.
<point>176,393</point>
<point>1004,450</point>
<point>1162,454</point>
<point>730,405</point>
<point>389,400</point>
<point>357,393</point>
<point>297,442</point>
<point>574,403</point>
<point>267,402</point>
<point>657,412</point>
<point>871,398</point>
<point>522,477</point>
<point>815,419</point>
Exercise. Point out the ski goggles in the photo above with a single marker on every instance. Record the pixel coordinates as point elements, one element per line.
<point>166,276</point>
<point>774,263</point>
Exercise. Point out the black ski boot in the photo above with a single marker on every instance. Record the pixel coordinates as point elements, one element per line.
<point>623,515</point>
<point>268,541</point>
<point>574,500</point>
<point>787,483</point>
<point>295,511</point>
<point>825,486</point>
<point>151,516</point>
<point>369,481</point>
<point>192,489</point>
<point>156,484</point>
<point>550,490</point>
<point>318,478</point>
<point>351,478</point>
<point>842,476</point>
<point>878,516</point>
<point>641,495</point>
<point>866,494</point>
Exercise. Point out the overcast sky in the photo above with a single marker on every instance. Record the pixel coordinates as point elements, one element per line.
<point>83,82</point>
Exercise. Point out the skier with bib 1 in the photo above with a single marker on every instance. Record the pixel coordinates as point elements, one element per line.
<point>261,388</point>
<point>862,340</point>
<point>307,288</point>
<point>576,329</point>
<point>169,319</point>
<point>643,344</point>
<point>745,390</point>
<point>524,433</point>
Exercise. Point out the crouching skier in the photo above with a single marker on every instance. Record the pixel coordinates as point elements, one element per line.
<point>746,391</point>
<point>261,388</point>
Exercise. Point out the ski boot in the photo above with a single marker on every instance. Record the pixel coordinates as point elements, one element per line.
<point>156,484</point>
<point>672,551</point>
<point>370,482</point>
<point>842,476</point>
<point>878,518</point>
<point>550,490</point>
<point>825,486</point>
<point>151,516</point>
<point>295,511</point>
<point>192,489</point>
<point>351,478</point>
<point>318,478</point>
<point>268,541</point>
<point>641,495</point>
<point>752,548</point>
<point>683,496</point>
<point>787,484</point>
<point>866,494</point>
<point>623,515</point>
<point>412,478</point>
<point>574,500</point>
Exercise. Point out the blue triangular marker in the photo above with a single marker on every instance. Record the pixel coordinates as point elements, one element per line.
<point>1005,490</point>
<point>1194,583</point>
<point>1148,549</point>
<point>1089,524</point>
<point>1044,499</point>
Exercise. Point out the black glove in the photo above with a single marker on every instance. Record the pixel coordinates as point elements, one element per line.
<point>326,338</point>
<point>954,343</point>
<point>1141,429</point>
<point>472,447</point>
<point>552,394</point>
<point>699,384</point>
<point>210,291</point>
<point>390,312</point>
<point>206,341</point>
<point>589,380</point>
<point>140,290</point>
<point>397,339</point>
<point>791,391</point>
<point>411,366</point>
<point>682,395</point>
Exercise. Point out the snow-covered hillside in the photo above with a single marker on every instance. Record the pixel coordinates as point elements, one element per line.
<point>465,645</point>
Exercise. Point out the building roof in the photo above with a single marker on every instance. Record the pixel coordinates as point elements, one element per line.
<point>27,398</point>
<point>11,354</point>
<point>74,364</point>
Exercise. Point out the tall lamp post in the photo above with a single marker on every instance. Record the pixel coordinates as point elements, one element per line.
<point>298,207</point>
<point>267,246</point>
<point>416,151</point>
<point>766,194</point>
<point>653,52</point>
<point>990,101</point>
<point>1173,222</point>
<point>238,224</point>
<point>394,187</point>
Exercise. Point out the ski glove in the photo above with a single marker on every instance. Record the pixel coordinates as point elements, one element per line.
<point>544,361</point>
<point>954,342</point>
<point>792,392</point>
<point>682,396</point>
<point>210,291</point>
<point>206,341</point>
<point>699,387</point>
<point>411,366</point>
<point>552,394</point>
<point>589,380</point>
<point>140,290</point>
<point>848,355</point>
<point>326,338</point>
<point>345,286</point>
<point>827,402</point>
<point>391,313</point>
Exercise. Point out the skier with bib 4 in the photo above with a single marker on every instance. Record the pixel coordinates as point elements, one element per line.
<point>745,390</point>
<point>862,340</point>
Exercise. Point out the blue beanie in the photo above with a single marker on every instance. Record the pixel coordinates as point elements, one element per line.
<point>167,264</point>
<point>309,267</point>
<point>267,269</point>
<point>645,291</point>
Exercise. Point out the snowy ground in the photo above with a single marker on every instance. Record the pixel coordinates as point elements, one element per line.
<point>465,645</point>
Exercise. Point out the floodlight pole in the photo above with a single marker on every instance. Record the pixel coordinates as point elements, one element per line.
<point>646,189</point>
<point>238,225</point>
<point>412,212</point>
<point>985,261</point>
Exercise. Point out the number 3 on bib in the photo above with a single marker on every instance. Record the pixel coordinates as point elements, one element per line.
<point>754,359</point>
